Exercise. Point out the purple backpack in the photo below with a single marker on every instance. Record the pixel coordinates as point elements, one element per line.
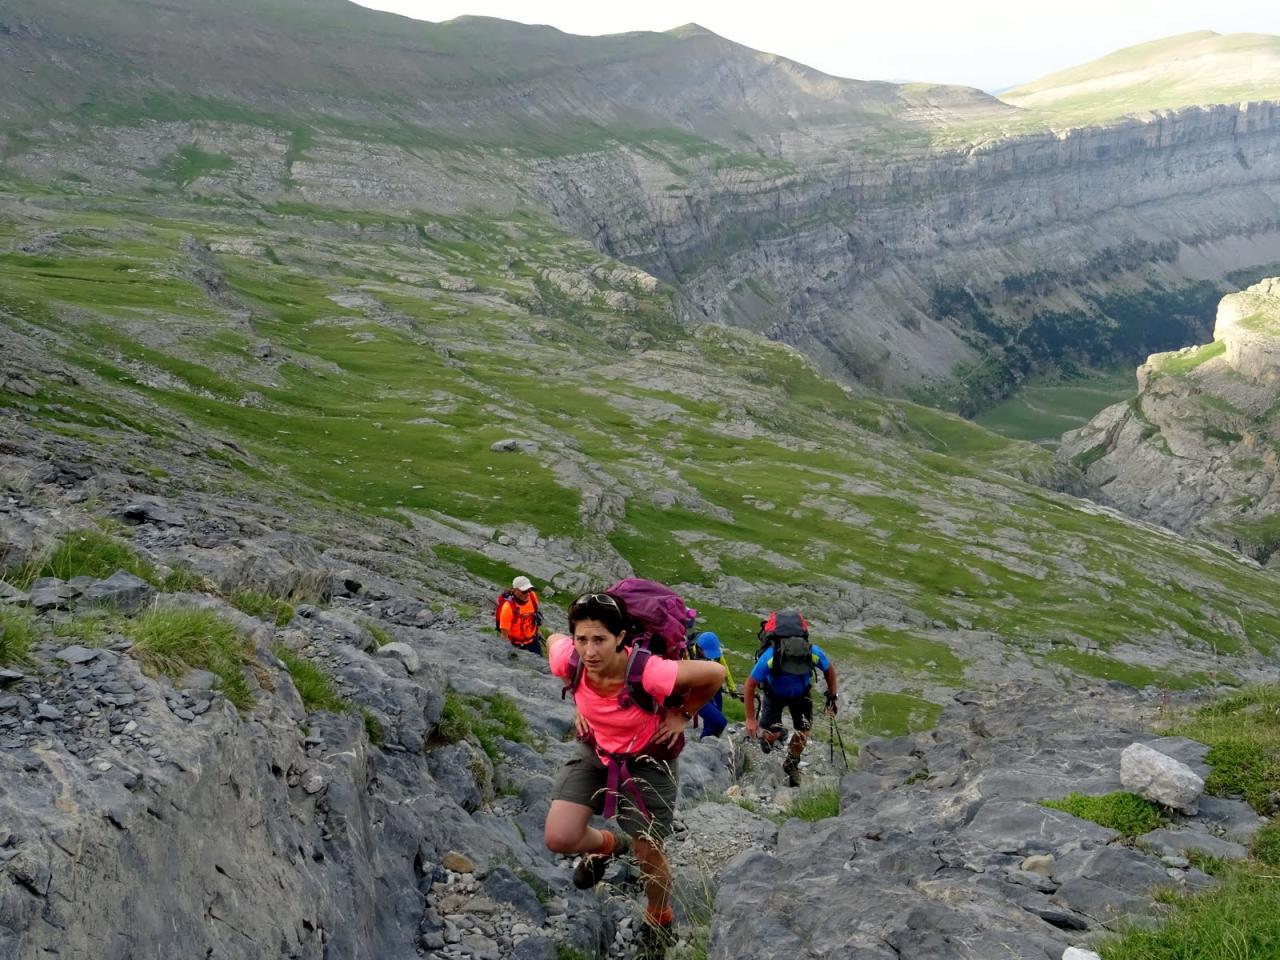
<point>657,629</point>
<point>658,615</point>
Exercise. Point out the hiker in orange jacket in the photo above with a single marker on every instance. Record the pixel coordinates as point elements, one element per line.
<point>519,618</point>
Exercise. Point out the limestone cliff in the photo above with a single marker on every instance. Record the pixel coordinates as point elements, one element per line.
<point>1197,449</point>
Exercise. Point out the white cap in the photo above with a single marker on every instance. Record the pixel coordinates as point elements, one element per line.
<point>522,583</point>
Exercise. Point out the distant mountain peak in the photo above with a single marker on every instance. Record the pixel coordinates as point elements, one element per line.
<point>693,30</point>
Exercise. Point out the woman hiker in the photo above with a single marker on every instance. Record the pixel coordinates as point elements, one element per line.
<point>632,711</point>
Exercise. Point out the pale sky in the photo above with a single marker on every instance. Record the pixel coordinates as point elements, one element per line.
<point>989,44</point>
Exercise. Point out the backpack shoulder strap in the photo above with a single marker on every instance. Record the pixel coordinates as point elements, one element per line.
<point>633,691</point>
<point>574,680</point>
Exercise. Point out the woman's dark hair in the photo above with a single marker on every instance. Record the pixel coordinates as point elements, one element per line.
<point>608,609</point>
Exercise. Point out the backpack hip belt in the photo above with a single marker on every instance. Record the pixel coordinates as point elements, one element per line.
<point>621,777</point>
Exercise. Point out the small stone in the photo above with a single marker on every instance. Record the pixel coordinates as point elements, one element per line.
<point>103,766</point>
<point>1075,953</point>
<point>183,713</point>
<point>314,783</point>
<point>10,676</point>
<point>199,680</point>
<point>1155,776</point>
<point>432,940</point>
<point>48,711</point>
<point>1041,863</point>
<point>458,864</point>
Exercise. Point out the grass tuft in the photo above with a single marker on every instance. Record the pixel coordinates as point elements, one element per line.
<point>379,633</point>
<point>1266,844</point>
<point>483,719</point>
<point>372,728</point>
<point>175,640</point>
<point>315,687</point>
<point>263,606</point>
<point>90,627</point>
<point>1127,813</point>
<point>1243,733</point>
<point>17,632</point>
<point>91,553</point>
<point>816,804</point>
<point>1239,920</point>
<point>182,579</point>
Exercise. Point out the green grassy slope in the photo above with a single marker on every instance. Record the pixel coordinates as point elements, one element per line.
<point>1181,71</point>
<point>368,362</point>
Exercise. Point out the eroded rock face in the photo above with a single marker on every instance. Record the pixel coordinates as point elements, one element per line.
<point>1199,448</point>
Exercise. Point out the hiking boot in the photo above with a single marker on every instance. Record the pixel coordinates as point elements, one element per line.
<point>791,767</point>
<point>590,867</point>
<point>655,940</point>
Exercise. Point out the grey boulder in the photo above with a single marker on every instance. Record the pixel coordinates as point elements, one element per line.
<point>1160,778</point>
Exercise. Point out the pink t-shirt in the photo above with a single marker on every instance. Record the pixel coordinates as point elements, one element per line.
<point>617,729</point>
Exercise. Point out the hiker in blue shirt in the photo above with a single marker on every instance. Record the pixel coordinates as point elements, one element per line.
<point>785,672</point>
<point>706,646</point>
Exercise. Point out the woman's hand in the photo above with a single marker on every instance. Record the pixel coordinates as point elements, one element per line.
<point>669,729</point>
<point>752,727</point>
<point>580,725</point>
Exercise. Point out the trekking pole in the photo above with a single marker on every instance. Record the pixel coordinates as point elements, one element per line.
<point>835,730</point>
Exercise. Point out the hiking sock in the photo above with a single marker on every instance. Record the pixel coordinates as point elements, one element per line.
<point>663,918</point>
<point>591,865</point>
<point>657,935</point>
<point>613,845</point>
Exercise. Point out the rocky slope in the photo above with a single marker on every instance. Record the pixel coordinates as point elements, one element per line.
<point>1197,449</point>
<point>528,406</point>
<point>144,812</point>
<point>899,235</point>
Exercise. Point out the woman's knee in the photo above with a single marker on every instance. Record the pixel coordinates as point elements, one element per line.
<point>566,827</point>
<point>562,838</point>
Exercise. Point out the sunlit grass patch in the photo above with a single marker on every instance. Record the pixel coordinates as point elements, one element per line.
<point>1127,813</point>
<point>262,605</point>
<point>895,714</point>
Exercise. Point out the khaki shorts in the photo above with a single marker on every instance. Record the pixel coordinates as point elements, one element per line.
<point>583,779</point>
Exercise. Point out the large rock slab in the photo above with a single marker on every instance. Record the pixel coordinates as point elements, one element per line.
<point>122,591</point>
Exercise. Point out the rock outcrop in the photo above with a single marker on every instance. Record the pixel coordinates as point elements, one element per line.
<point>942,850</point>
<point>1197,450</point>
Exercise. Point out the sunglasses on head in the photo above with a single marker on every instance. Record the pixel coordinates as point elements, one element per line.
<point>601,598</point>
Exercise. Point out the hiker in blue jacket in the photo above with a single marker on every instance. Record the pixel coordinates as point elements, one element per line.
<point>706,646</point>
<point>785,672</point>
